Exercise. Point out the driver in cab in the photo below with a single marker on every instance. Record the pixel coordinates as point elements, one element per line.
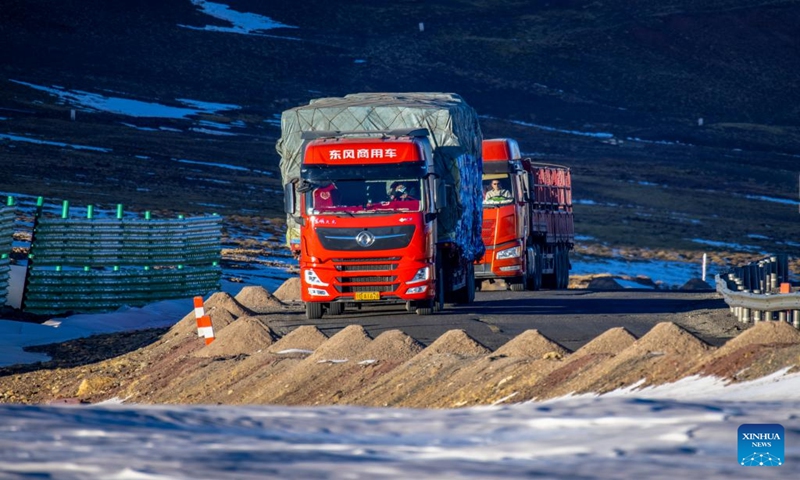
<point>496,193</point>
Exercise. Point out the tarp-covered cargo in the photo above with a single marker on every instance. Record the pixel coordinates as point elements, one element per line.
<point>455,136</point>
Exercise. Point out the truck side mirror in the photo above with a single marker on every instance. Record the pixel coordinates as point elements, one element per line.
<point>290,201</point>
<point>289,198</point>
<point>526,190</point>
<point>441,193</point>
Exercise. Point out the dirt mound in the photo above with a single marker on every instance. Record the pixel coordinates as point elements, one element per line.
<point>644,281</point>
<point>244,336</point>
<point>220,318</point>
<point>305,338</point>
<point>489,380</point>
<point>416,381</point>
<point>289,291</point>
<point>696,285</point>
<point>532,344</point>
<point>760,350</point>
<point>611,341</point>
<point>572,375</point>
<point>258,300</point>
<point>604,283</point>
<point>663,355</point>
<point>243,366</point>
<point>668,338</point>
<point>311,382</point>
<point>185,326</point>
<point>226,301</point>
<point>455,342</point>
<point>329,382</point>
<point>348,343</point>
<point>581,368</point>
<point>763,333</point>
<point>317,376</point>
<point>391,345</point>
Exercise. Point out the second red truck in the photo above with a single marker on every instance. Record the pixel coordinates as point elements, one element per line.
<point>528,227</point>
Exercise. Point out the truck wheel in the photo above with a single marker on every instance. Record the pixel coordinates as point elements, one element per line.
<point>336,308</point>
<point>466,294</point>
<point>438,299</point>
<point>561,271</point>
<point>470,294</point>
<point>565,269</point>
<point>534,261</point>
<point>425,307</point>
<point>313,310</point>
<point>552,281</point>
<point>517,284</point>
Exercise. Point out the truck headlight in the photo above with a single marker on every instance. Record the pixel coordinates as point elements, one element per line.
<point>414,290</point>
<point>513,252</point>
<point>313,279</point>
<point>421,275</point>
<point>317,292</point>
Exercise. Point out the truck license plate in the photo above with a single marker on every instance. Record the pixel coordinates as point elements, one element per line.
<point>366,296</point>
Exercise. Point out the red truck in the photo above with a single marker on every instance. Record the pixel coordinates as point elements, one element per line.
<point>385,215</point>
<point>528,227</point>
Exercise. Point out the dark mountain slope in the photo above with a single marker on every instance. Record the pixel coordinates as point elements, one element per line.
<point>552,75</point>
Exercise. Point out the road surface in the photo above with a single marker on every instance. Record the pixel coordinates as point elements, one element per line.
<point>570,317</point>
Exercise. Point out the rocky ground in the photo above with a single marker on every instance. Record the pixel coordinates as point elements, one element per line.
<point>249,362</point>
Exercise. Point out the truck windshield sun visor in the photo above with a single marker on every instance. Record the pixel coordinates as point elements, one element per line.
<point>495,167</point>
<point>326,173</point>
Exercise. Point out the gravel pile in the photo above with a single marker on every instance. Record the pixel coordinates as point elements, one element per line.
<point>249,362</point>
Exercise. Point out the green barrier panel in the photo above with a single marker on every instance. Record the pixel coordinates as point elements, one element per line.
<point>7,216</point>
<point>99,264</point>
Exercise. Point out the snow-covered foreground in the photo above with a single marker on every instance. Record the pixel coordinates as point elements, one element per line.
<point>644,435</point>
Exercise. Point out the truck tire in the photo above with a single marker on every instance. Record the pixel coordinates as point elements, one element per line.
<point>438,299</point>
<point>313,310</point>
<point>471,284</point>
<point>427,310</point>
<point>555,280</point>
<point>335,308</point>
<point>466,294</point>
<point>565,269</point>
<point>517,284</point>
<point>561,262</point>
<point>534,264</point>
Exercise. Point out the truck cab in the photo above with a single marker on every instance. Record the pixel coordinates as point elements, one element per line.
<point>368,205</point>
<point>505,216</point>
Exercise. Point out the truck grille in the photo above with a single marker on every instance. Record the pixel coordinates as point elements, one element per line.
<point>350,284</point>
<point>366,264</point>
<point>366,288</point>
<point>366,260</point>
<point>366,279</point>
<point>365,239</point>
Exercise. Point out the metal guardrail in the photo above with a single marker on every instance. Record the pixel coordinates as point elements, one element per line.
<point>6,239</point>
<point>753,292</point>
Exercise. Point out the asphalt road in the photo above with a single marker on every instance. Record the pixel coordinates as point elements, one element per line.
<point>570,317</point>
